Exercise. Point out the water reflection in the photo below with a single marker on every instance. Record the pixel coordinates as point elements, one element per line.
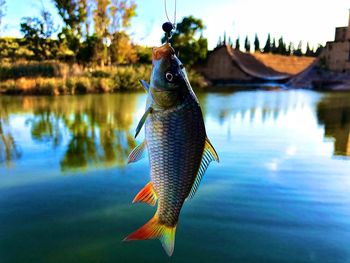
<point>94,130</point>
<point>333,111</point>
<point>97,130</point>
<point>9,150</point>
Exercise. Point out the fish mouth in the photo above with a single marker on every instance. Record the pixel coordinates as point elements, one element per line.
<point>163,51</point>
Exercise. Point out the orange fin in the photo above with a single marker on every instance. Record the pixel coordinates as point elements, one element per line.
<point>147,195</point>
<point>152,230</point>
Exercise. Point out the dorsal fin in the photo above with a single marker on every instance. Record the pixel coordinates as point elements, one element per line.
<point>209,155</point>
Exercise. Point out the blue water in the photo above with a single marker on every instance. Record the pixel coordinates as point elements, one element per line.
<point>279,194</point>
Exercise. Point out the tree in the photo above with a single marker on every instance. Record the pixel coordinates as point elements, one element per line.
<point>38,32</point>
<point>247,44</point>
<point>274,47</point>
<point>319,51</point>
<point>122,51</point>
<point>309,52</point>
<point>267,48</point>
<point>90,51</point>
<point>256,43</point>
<point>188,40</point>
<point>73,14</point>
<point>281,48</point>
<point>290,49</point>
<point>298,52</point>
<point>3,9</point>
<point>121,12</point>
<point>237,46</point>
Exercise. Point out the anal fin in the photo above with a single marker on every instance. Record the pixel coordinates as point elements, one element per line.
<point>147,195</point>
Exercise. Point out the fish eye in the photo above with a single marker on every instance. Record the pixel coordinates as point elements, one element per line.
<point>169,77</point>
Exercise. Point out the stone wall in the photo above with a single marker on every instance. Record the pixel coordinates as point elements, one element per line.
<point>337,56</point>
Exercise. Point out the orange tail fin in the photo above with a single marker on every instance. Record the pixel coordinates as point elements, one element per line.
<point>153,229</point>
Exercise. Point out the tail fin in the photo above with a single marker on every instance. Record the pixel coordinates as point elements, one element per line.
<point>153,229</point>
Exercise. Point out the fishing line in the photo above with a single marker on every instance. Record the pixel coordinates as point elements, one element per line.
<point>166,12</point>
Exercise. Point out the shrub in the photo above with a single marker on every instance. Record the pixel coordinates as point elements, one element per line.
<point>83,86</point>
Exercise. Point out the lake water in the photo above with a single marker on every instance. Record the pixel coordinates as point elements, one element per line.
<point>281,192</point>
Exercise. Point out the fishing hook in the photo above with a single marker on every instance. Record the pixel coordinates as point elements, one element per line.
<point>168,27</point>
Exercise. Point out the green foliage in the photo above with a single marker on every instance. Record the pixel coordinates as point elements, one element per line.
<point>282,48</point>
<point>247,44</point>
<point>90,51</point>
<point>237,46</point>
<point>274,46</point>
<point>14,49</point>
<point>121,50</point>
<point>298,52</point>
<point>32,70</point>
<point>256,44</point>
<point>72,12</point>
<point>68,38</point>
<point>267,47</point>
<point>38,32</point>
<point>188,40</point>
<point>144,54</point>
<point>41,78</point>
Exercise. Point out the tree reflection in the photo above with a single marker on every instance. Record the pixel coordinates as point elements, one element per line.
<point>94,129</point>
<point>9,150</point>
<point>333,111</point>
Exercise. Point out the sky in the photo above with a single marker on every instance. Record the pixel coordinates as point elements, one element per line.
<point>312,21</point>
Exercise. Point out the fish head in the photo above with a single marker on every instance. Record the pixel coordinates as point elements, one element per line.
<point>168,79</point>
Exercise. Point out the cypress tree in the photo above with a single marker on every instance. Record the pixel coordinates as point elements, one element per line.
<point>247,44</point>
<point>237,44</point>
<point>309,52</point>
<point>274,47</point>
<point>267,48</point>
<point>298,52</point>
<point>290,49</point>
<point>256,44</point>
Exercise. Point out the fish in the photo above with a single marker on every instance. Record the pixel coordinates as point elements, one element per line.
<point>176,141</point>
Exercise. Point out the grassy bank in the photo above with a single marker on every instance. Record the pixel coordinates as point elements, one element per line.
<point>54,78</point>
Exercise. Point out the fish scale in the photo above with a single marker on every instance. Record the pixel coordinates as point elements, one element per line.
<point>175,141</point>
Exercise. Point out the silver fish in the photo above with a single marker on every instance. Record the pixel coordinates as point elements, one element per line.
<point>178,148</point>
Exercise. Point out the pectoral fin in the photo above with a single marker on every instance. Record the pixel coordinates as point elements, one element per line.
<point>209,155</point>
<point>146,195</point>
<point>138,153</point>
<point>144,85</point>
<point>142,121</point>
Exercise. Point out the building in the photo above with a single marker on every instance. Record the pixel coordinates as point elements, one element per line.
<point>337,53</point>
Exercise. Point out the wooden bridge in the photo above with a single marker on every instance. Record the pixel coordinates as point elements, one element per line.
<point>225,65</point>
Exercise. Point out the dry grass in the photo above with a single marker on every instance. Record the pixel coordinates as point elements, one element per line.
<point>37,79</point>
<point>286,64</point>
